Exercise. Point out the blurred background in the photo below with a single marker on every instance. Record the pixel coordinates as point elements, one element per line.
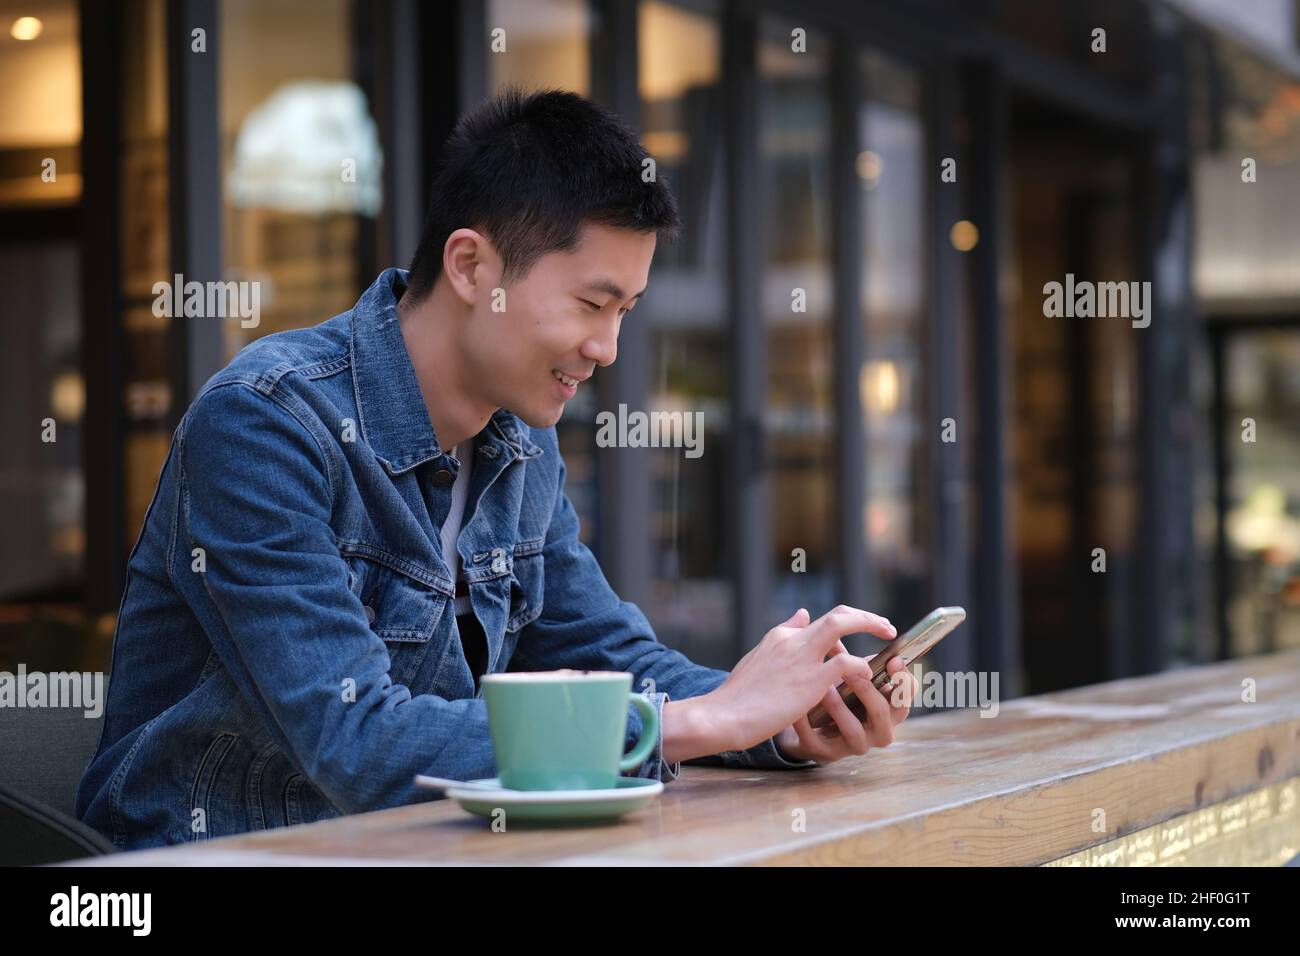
<point>806,143</point>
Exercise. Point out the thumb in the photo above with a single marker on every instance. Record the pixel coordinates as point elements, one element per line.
<point>800,618</point>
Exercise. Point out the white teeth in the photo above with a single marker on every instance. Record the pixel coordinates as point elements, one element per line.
<point>571,382</point>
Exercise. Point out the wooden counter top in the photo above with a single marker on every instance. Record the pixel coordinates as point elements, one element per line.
<point>1045,778</point>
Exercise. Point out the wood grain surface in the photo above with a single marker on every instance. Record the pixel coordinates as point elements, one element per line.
<point>1046,777</point>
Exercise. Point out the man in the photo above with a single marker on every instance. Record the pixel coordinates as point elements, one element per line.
<point>357,521</point>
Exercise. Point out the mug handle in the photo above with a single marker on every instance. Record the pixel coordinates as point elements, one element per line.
<point>649,734</point>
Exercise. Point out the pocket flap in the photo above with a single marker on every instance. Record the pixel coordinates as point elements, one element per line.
<point>399,607</point>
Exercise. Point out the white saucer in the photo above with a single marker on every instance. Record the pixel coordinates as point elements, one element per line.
<point>631,793</point>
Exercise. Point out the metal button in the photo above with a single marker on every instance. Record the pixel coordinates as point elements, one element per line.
<point>442,478</point>
<point>370,614</point>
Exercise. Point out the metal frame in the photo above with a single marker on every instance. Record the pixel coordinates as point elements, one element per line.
<point>453,75</point>
<point>402,217</point>
<point>747,531</point>
<point>948,373</point>
<point>997,630</point>
<point>103,367</point>
<point>194,343</point>
<point>1166,548</point>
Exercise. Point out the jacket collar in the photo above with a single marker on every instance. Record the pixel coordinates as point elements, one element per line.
<point>390,405</point>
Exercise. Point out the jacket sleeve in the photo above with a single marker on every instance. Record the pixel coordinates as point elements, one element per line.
<point>284,621</point>
<point>585,625</point>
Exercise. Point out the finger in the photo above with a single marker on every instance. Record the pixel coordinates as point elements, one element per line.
<point>901,692</point>
<point>880,729</point>
<point>906,684</point>
<point>798,619</point>
<point>839,666</point>
<point>901,689</point>
<point>892,667</point>
<point>813,744</point>
<point>853,734</point>
<point>839,648</point>
<point>842,620</point>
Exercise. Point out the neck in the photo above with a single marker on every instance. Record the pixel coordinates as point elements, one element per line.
<point>433,331</point>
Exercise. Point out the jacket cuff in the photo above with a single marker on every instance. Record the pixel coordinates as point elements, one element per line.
<point>779,757</point>
<point>653,766</point>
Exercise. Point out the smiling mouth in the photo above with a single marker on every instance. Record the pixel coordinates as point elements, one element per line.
<point>561,377</point>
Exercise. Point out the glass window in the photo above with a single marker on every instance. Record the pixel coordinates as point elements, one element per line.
<point>146,257</point>
<point>679,81</point>
<point>1112,406</point>
<point>302,161</point>
<point>797,304</point>
<point>545,43</point>
<point>1262,522</point>
<point>42,470</point>
<point>1074,480</point>
<point>40,103</point>
<point>41,484</point>
<point>894,374</point>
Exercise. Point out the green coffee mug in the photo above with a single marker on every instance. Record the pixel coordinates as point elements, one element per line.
<point>564,730</point>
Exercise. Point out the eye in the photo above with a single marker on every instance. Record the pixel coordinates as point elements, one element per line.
<point>591,305</point>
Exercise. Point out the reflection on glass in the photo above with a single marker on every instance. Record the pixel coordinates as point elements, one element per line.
<point>1074,481</point>
<point>40,105</point>
<point>680,68</point>
<point>1262,525</point>
<point>799,418</point>
<point>893,375</point>
<point>539,43</point>
<point>1113,402</point>
<point>145,257</point>
<point>41,484</point>
<point>301,162</point>
<point>41,480</point>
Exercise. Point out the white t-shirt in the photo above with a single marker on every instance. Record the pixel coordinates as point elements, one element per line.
<point>463,453</point>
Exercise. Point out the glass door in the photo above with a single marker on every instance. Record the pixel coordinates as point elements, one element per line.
<point>1257,427</point>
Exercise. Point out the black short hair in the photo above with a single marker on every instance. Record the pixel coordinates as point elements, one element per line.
<point>528,170</point>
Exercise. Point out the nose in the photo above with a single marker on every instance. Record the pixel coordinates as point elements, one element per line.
<point>603,348</point>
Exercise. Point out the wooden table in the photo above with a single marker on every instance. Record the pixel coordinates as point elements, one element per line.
<point>1172,768</point>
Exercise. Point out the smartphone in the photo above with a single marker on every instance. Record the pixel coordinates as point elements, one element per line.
<point>922,636</point>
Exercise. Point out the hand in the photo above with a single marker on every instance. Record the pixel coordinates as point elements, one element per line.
<point>785,676</point>
<point>848,736</point>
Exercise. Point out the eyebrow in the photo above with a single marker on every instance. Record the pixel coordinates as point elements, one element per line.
<point>606,285</point>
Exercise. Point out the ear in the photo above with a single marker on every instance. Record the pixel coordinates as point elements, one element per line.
<point>468,261</point>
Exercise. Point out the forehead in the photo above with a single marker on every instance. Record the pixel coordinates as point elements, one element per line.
<point>609,255</point>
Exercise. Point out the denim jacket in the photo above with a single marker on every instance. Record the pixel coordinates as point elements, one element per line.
<point>287,647</point>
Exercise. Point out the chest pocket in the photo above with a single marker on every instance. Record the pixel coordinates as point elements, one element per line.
<point>400,608</point>
<point>526,584</point>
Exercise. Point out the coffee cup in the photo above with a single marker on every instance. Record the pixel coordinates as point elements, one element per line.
<point>565,729</point>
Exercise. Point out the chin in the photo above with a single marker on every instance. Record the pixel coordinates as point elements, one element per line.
<point>540,418</point>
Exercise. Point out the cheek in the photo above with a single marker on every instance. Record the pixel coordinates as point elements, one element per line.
<point>517,346</point>
<point>549,333</point>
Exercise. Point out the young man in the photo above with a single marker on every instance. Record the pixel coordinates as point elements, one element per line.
<point>357,521</point>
